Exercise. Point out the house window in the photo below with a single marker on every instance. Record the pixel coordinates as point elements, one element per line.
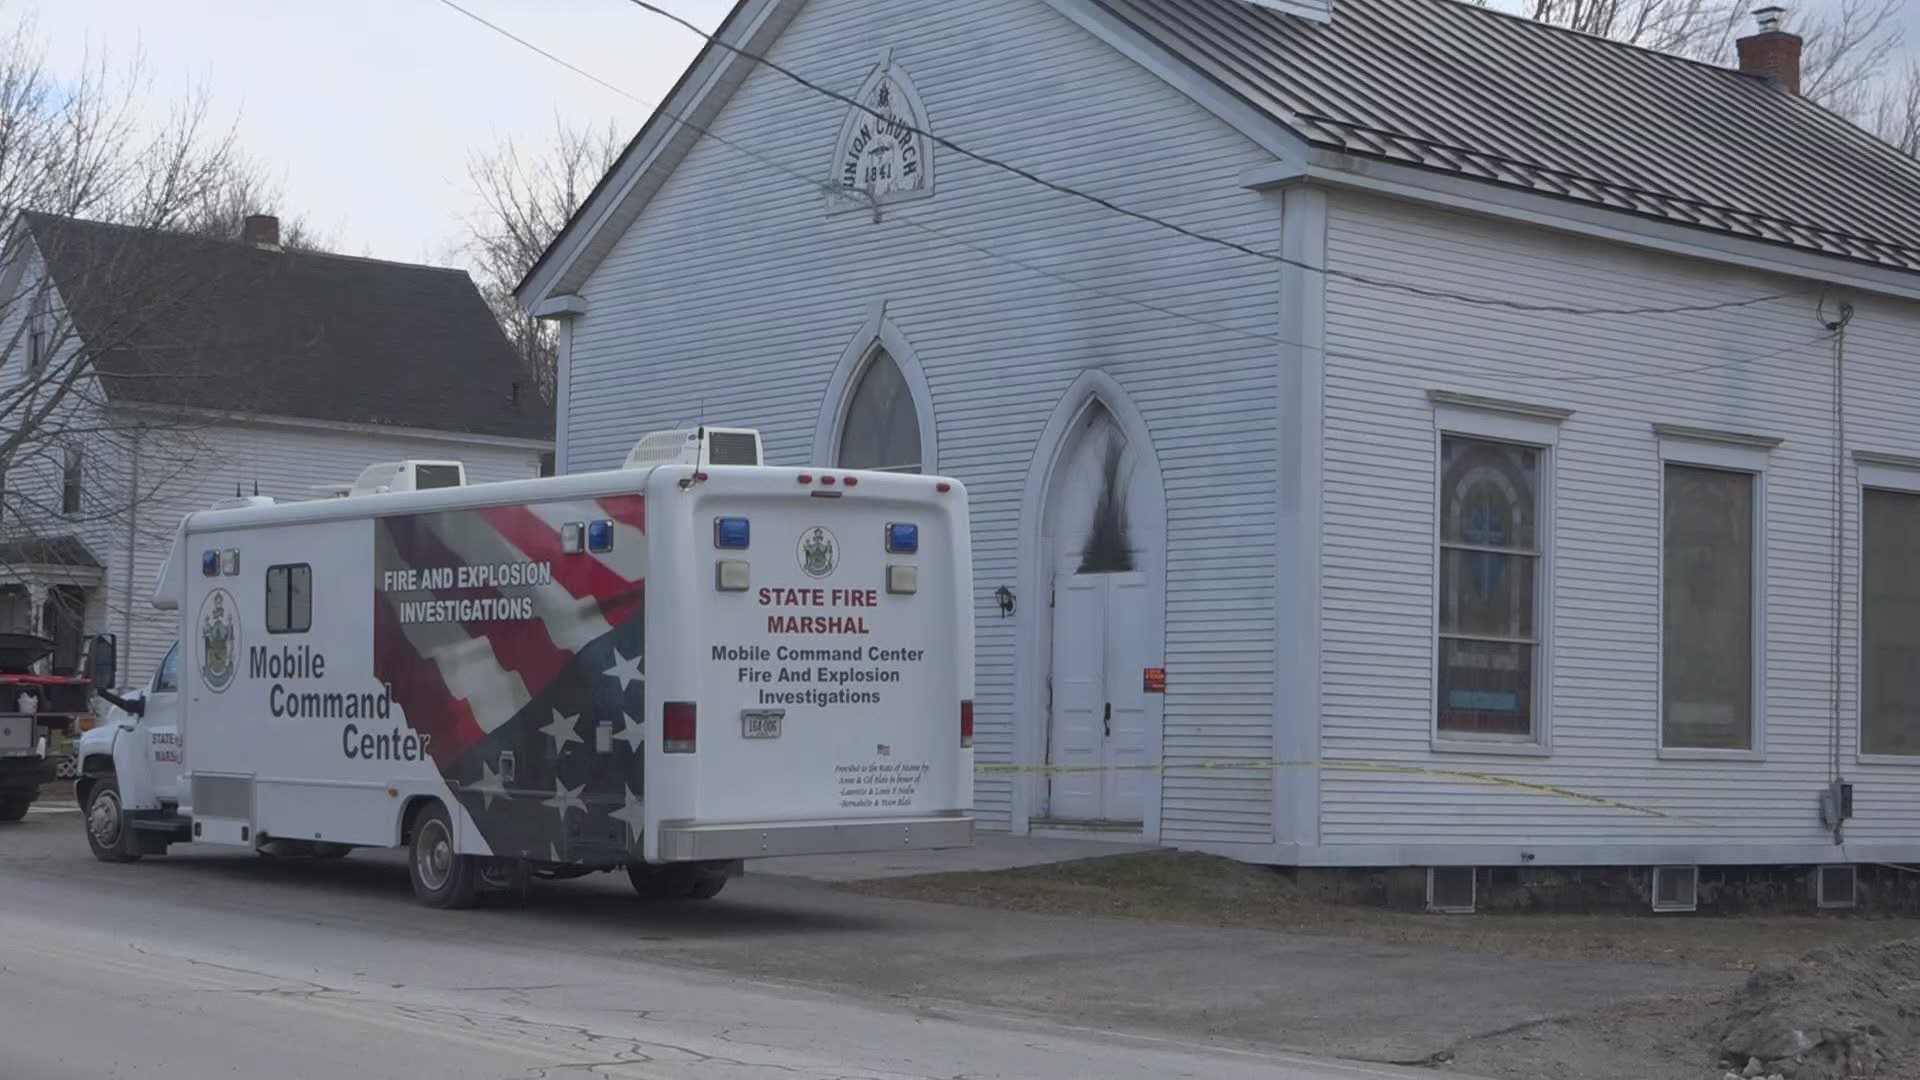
<point>1490,537</point>
<point>881,429</point>
<point>70,482</point>
<point>1889,623</point>
<point>289,599</point>
<point>1709,569</point>
<point>36,347</point>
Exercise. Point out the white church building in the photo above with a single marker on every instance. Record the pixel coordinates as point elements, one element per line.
<point>1398,433</point>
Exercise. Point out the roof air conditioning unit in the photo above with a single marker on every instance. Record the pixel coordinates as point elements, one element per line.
<point>408,476</point>
<point>242,502</point>
<point>698,447</point>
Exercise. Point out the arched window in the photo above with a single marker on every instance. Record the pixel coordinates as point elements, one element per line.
<point>881,429</point>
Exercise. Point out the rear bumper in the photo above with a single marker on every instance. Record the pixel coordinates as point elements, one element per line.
<point>700,843</point>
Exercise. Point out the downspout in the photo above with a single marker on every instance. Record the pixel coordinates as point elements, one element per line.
<point>1835,781</point>
<point>133,534</point>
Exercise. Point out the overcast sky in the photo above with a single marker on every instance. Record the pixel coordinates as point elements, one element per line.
<point>368,109</point>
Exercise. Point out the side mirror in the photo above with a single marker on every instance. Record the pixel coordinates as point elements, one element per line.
<point>102,663</point>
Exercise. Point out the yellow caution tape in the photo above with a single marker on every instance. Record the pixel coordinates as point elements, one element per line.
<point>1233,765</point>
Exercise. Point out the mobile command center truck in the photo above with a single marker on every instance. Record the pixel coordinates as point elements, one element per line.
<point>663,668</point>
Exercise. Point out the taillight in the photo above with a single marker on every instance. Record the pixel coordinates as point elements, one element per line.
<point>677,726</point>
<point>966,723</point>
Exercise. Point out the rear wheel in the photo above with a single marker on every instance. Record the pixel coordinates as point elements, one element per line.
<point>441,877</point>
<point>108,832</point>
<point>14,807</point>
<point>678,881</point>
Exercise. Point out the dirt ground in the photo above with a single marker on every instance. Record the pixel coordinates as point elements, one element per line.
<point>1204,890</point>
<point>1664,1038</point>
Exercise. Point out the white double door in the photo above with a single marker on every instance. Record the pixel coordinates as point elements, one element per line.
<point>1099,734</point>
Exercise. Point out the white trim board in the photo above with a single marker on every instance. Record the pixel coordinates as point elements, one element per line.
<point>1488,200</point>
<point>877,331</point>
<point>704,89</point>
<point>270,420</point>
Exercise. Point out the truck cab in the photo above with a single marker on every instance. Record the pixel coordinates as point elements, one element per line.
<point>131,762</point>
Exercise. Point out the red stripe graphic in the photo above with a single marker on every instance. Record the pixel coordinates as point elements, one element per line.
<point>431,707</point>
<point>520,646</point>
<point>629,510</point>
<point>582,575</point>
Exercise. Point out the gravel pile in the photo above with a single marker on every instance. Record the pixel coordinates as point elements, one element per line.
<point>1848,1012</point>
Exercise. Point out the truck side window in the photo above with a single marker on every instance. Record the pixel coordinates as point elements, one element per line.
<point>289,599</point>
<point>168,677</point>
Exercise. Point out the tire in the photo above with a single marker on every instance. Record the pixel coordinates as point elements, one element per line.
<point>678,881</point>
<point>441,877</point>
<point>109,833</point>
<point>14,807</point>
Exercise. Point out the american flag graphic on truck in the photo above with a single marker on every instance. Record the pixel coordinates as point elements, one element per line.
<point>514,639</point>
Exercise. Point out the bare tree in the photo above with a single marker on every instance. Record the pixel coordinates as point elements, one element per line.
<point>526,197</point>
<point>73,145</point>
<point>1846,53</point>
<point>1896,114</point>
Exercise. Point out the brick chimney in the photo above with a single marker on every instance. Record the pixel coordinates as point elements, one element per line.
<point>1772,52</point>
<point>263,230</point>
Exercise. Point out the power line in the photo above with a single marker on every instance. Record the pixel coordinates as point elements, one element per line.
<point>1233,245</point>
<point>910,220</point>
<point>662,109</point>
<point>1333,353</point>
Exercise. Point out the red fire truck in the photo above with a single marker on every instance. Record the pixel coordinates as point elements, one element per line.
<point>40,716</point>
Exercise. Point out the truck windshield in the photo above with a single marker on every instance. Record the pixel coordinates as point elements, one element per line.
<point>168,677</point>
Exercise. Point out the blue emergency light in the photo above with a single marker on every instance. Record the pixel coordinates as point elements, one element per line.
<point>903,538</point>
<point>210,563</point>
<point>731,533</point>
<point>600,536</point>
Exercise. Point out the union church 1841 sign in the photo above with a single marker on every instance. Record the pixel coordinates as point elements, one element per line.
<point>883,154</point>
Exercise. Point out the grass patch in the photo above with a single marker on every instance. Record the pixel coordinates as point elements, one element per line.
<point>1204,890</point>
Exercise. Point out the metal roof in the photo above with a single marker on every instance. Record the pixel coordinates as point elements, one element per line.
<point>1455,88</point>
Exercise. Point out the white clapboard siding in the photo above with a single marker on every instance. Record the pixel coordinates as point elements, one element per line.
<point>734,294</point>
<point>1386,349</point>
<point>203,463</point>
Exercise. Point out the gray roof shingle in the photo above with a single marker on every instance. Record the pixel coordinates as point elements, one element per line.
<point>1456,88</point>
<point>174,319</point>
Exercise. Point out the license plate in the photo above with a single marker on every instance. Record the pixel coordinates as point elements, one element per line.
<point>760,724</point>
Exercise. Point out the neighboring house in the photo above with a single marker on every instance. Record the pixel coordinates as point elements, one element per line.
<point>1497,518</point>
<point>213,367</point>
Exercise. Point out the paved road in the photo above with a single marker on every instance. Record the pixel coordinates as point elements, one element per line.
<point>205,964</point>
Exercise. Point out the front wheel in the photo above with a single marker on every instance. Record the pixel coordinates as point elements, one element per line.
<point>442,878</point>
<point>108,832</point>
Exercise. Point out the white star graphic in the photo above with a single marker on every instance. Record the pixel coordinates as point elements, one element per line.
<point>633,814</point>
<point>566,798</point>
<point>490,787</point>
<point>562,732</point>
<point>627,670</point>
<point>632,732</point>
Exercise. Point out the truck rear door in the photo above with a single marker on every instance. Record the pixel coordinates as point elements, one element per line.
<point>810,642</point>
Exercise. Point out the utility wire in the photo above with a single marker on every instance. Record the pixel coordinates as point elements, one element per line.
<point>661,108</point>
<point>1033,268</point>
<point>1233,245</point>
<point>1334,353</point>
